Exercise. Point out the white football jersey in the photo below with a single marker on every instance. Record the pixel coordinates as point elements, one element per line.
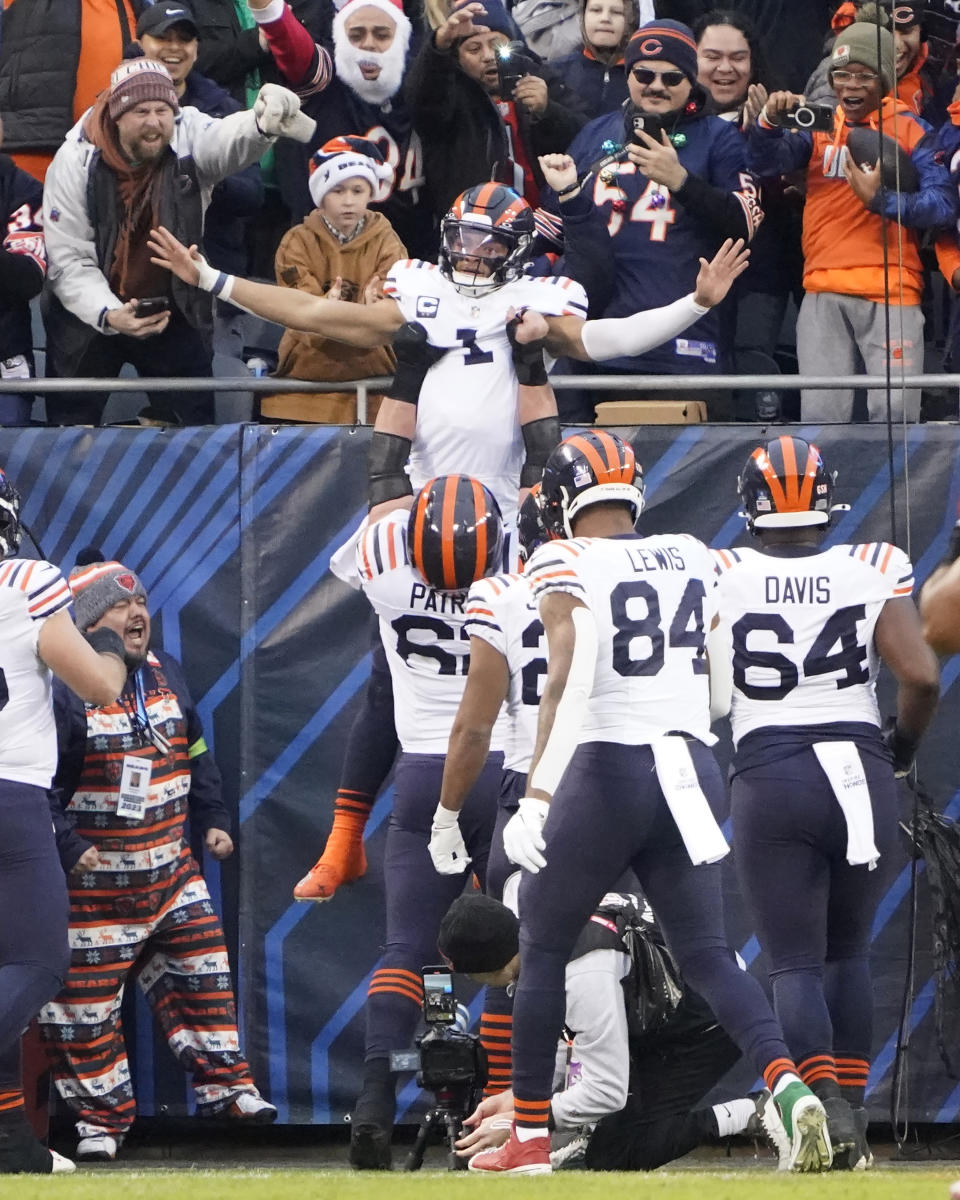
<point>503,612</point>
<point>30,591</point>
<point>652,599</point>
<point>424,636</point>
<point>467,413</point>
<point>803,651</point>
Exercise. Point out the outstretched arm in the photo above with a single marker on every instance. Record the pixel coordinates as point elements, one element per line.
<point>364,325</point>
<point>594,341</point>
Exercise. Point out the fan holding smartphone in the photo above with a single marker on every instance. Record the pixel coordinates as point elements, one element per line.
<point>860,185</point>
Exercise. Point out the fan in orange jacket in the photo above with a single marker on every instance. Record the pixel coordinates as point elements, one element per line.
<point>839,331</point>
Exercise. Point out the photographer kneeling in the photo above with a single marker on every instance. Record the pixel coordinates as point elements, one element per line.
<point>643,1052</point>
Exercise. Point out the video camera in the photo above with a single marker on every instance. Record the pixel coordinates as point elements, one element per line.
<point>449,1062</point>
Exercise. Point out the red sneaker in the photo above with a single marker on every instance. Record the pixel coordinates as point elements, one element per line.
<point>515,1157</point>
<point>326,875</point>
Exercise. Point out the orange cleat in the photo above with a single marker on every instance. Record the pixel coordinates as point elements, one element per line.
<point>327,874</point>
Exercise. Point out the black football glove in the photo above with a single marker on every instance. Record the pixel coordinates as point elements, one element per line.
<point>415,357</point>
<point>527,358</point>
<point>903,749</point>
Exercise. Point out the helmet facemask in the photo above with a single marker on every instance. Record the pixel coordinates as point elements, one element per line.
<point>478,258</point>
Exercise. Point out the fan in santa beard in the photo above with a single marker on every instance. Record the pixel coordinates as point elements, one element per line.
<point>370,40</point>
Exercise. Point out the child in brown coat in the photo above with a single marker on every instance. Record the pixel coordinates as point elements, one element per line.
<point>340,252</point>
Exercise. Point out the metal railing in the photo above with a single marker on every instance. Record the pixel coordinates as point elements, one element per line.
<point>266,384</point>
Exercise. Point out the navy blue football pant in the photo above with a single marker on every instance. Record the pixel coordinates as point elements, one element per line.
<point>34,915</point>
<point>609,814</point>
<point>416,895</point>
<point>372,740</point>
<point>812,911</point>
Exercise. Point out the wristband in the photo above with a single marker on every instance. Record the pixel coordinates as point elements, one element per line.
<point>569,189</point>
<point>211,280</point>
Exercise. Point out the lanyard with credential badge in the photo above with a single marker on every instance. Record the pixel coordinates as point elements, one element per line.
<point>141,719</point>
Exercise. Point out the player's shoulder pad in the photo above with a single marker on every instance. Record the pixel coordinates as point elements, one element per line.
<point>493,587</point>
<point>408,272</point>
<point>554,565</point>
<point>888,561</point>
<point>557,295</point>
<point>723,560</point>
<point>383,546</point>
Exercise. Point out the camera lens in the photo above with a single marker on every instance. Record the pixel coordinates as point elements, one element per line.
<point>804,117</point>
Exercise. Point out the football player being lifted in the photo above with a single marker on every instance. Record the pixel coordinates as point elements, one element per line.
<point>470,394</point>
<point>813,798</point>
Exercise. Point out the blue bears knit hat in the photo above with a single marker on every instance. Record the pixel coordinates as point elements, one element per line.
<point>671,41</point>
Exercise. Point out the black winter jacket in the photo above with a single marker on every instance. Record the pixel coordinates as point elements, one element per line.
<point>39,53</point>
<point>463,136</point>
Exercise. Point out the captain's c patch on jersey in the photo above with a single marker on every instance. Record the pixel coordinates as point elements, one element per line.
<point>427,306</point>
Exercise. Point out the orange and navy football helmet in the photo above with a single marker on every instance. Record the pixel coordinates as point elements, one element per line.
<point>785,485</point>
<point>485,238</point>
<point>587,468</point>
<point>455,533</point>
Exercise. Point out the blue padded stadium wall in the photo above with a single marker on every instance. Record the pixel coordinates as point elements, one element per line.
<point>232,529</point>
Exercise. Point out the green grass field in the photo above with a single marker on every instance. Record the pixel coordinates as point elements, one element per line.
<point>325,1184</point>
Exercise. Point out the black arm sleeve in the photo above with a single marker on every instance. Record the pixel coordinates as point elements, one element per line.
<point>716,207</point>
<point>387,458</point>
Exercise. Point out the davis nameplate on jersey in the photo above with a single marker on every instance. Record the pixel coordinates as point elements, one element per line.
<point>427,306</point>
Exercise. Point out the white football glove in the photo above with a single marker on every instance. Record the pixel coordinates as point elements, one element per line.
<point>277,113</point>
<point>447,848</point>
<point>523,834</point>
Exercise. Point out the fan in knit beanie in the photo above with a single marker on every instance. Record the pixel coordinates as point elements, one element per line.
<point>138,81</point>
<point>669,41</point>
<point>98,586</point>
<point>348,157</point>
<point>858,44</point>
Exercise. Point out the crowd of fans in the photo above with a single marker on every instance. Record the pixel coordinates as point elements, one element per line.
<point>660,143</point>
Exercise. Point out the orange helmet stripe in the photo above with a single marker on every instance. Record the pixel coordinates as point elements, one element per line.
<point>480,527</point>
<point>451,486</point>
<point>421,516</point>
<point>514,210</point>
<point>600,468</point>
<point>809,475</point>
<point>485,195</point>
<point>790,471</point>
<point>622,470</point>
<point>765,466</point>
